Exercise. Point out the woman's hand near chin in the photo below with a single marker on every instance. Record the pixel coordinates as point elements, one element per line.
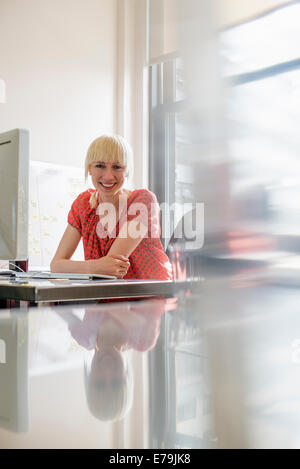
<point>115,265</point>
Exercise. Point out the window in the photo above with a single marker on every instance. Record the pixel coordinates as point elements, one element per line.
<point>261,65</point>
<point>261,60</point>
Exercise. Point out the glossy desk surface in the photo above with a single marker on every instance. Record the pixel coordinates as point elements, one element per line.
<point>217,370</point>
<point>65,290</point>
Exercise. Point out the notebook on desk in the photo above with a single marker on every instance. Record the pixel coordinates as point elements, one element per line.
<point>52,275</point>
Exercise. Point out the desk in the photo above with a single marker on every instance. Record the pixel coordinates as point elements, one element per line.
<point>45,382</point>
<point>216,371</point>
<point>35,291</point>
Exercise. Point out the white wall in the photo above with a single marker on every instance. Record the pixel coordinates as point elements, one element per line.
<point>132,85</point>
<point>59,62</point>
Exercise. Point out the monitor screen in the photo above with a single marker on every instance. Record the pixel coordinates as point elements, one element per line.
<point>14,172</point>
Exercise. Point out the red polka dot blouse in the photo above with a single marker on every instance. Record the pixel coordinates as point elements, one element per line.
<point>148,260</point>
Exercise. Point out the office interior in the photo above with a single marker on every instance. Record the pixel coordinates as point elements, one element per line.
<point>207,95</point>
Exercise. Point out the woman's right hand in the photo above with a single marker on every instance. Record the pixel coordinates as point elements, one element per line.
<point>115,265</point>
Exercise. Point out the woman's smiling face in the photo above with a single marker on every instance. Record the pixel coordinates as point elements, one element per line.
<point>107,178</point>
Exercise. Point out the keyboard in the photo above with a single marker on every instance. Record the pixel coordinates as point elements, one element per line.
<point>53,275</point>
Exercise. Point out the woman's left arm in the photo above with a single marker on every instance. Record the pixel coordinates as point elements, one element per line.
<point>143,219</point>
<point>130,236</point>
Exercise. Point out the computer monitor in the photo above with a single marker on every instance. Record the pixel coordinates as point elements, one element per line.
<point>14,175</point>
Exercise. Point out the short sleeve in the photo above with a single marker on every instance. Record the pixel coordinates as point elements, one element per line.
<point>74,215</point>
<point>145,209</point>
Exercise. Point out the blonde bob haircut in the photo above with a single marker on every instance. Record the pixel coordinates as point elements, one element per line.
<point>109,149</point>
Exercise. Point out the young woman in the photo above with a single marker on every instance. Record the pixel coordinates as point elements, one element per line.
<point>120,228</point>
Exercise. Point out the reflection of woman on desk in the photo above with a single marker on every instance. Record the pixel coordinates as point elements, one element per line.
<point>111,333</point>
<point>120,228</point>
